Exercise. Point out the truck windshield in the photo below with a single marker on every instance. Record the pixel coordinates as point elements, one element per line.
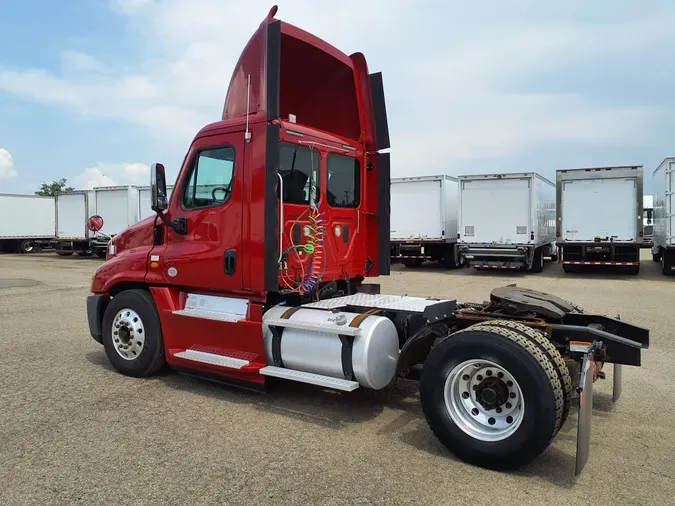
<point>343,189</point>
<point>298,165</point>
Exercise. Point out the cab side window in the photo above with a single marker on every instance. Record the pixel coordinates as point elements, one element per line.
<point>343,188</point>
<point>298,166</point>
<point>210,182</point>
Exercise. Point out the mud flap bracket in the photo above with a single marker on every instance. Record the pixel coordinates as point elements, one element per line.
<point>585,390</point>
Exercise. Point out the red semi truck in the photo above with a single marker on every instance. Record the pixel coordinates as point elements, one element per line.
<point>255,268</point>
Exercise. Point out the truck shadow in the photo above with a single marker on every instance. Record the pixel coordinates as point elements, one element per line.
<point>340,410</point>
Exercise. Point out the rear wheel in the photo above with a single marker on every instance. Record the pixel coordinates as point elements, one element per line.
<point>666,263</point>
<point>28,247</point>
<point>132,334</point>
<point>493,395</point>
<point>570,269</point>
<point>538,261</point>
<point>656,257</point>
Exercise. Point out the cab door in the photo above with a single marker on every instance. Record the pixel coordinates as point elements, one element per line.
<point>209,200</point>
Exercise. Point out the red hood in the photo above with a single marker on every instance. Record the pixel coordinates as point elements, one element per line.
<point>295,72</point>
<point>138,234</point>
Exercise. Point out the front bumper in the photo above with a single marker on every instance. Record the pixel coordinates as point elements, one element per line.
<point>95,307</point>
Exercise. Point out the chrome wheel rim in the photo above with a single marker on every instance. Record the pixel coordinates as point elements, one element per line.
<point>128,334</point>
<point>484,400</point>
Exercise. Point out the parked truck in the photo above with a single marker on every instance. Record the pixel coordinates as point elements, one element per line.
<point>663,249</point>
<point>424,219</point>
<point>256,269</point>
<point>506,221</point>
<point>648,221</point>
<point>599,217</point>
<point>27,223</point>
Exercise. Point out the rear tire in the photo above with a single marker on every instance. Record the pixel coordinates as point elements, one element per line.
<point>538,261</point>
<point>478,435</point>
<point>570,269</point>
<point>656,257</point>
<point>136,347</point>
<point>28,247</point>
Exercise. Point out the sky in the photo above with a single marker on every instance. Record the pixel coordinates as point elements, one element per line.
<point>97,90</point>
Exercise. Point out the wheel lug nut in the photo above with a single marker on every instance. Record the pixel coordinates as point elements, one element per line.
<point>475,387</point>
<point>491,421</point>
<point>488,372</point>
<point>465,395</point>
<point>509,419</point>
<point>498,410</point>
<point>466,377</point>
<point>512,395</point>
<point>508,405</point>
<point>474,412</point>
<point>479,377</point>
<point>500,374</point>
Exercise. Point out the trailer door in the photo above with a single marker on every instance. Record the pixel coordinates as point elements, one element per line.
<point>605,208</point>
<point>71,216</point>
<point>417,210</point>
<point>495,211</point>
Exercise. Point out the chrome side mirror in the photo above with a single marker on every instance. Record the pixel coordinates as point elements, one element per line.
<point>158,188</point>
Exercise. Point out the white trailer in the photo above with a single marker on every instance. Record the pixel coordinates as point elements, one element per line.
<point>663,183</point>
<point>423,219</point>
<point>506,221</point>
<point>145,201</point>
<point>599,217</point>
<point>27,222</point>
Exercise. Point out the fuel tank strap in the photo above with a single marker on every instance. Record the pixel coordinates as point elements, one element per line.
<point>276,336</point>
<point>348,344</point>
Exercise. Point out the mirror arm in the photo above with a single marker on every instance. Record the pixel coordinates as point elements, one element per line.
<point>178,225</point>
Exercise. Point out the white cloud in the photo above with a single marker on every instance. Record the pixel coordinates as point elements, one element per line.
<point>7,170</point>
<point>449,84</point>
<point>106,174</point>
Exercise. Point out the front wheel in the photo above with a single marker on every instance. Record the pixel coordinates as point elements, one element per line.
<point>132,334</point>
<point>495,396</point>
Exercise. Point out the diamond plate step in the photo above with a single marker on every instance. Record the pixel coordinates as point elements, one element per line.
<point>213,359</point>
<point>210,315</point>
<point>393,302</point>
<point>344,330</point>
<point>311,378</point>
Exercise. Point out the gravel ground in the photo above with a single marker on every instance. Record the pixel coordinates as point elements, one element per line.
<point>72,430</point>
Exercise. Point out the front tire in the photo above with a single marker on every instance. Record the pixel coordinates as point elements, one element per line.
<point>132,334</point>
<point>493,395</point>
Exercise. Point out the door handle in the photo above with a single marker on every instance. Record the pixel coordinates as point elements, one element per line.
<point>230,261</point>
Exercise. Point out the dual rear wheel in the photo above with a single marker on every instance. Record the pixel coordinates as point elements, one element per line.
<point>496,394</point>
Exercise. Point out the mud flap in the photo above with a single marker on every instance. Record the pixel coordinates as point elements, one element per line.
<point>585,389</point>
<point>616,386</point>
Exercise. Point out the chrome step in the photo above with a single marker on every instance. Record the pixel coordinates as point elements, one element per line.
<point>311,378</point>
<point>213,359</point>
<point>210,315</point>
<point>329,328</point>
